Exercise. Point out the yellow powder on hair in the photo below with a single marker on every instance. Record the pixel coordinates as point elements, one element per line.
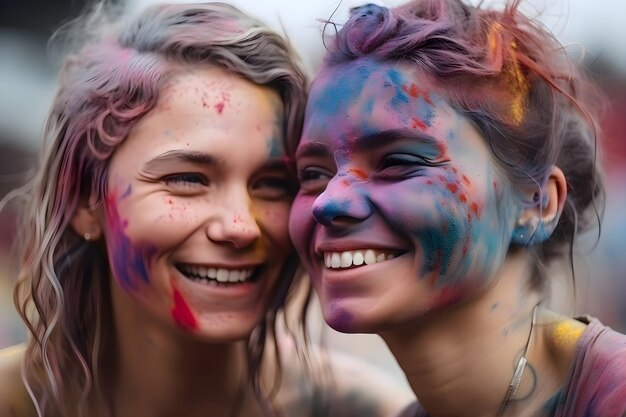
<point>517,85</point>
<point>493,33</point>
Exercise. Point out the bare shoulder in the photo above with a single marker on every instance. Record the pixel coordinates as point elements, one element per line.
<point>562,334</point>
<point>14,399</point>
<point>338,384</point>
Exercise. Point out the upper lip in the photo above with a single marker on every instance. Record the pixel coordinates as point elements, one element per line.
<point>343,246</point>
<point>219,265</point>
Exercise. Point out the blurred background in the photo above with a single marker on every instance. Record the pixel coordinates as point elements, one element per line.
<point>593,32</point>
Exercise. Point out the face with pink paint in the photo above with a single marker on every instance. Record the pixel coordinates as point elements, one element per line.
<point>197,206</point>
<point>401,211</point>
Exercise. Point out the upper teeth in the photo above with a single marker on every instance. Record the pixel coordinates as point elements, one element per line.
<point>218,274</point>
<point>358,257</point>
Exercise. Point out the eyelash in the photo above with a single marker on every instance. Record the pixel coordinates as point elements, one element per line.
<point>189,179</point>
<point>274,188</point>
<point>407,160</point>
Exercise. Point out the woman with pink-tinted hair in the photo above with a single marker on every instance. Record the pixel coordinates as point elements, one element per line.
<point>156,255</point>
<point>448,161</point>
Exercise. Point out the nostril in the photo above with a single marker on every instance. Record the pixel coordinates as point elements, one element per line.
<point>325,212</point>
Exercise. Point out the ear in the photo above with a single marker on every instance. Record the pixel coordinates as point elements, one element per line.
<point>536,224</point>
<point>85,221</point>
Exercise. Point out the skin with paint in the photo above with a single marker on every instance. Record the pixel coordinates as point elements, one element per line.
<point>437,187</point>
<point>415,186</point>
<point>193,220</point>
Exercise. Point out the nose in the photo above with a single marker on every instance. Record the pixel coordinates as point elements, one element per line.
<point>342,203</point>
<point>235,223</point>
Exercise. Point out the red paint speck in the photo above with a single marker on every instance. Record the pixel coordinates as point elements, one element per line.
<point>417,123</point>
<point>414,91</point>
<point>463,198</point>
<point>466,180</point>
<point>345,182</point>
<point>474,207</point>
<point>452,187</point>
<point>182,313</point>
<point>358,173</point>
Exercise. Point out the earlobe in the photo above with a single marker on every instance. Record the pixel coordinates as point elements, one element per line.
<point>85,222</point>
<point>537,223</point>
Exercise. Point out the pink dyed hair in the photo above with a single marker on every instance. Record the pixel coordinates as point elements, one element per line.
<point>513,80</point>
<point>105,87</point>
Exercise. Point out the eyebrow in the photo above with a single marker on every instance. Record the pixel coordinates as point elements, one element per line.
<point>177,156</point>
<point>378,139</point>
<point>375,140</point>
<point>312,149</point>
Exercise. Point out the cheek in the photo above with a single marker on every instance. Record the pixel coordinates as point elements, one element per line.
<point>439,215</point>
<point>274,219</point>
<point>129,261</point>
<point>301,223</point>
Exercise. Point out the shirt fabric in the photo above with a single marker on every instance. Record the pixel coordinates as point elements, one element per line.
<point>596,384</point>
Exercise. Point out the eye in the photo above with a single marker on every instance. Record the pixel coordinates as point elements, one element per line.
<point>399,165</point>
<point>185,179</point>
<point>274,187</point>
<point>313,178</point>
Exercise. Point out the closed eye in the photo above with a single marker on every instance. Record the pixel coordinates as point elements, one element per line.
<point>401,165</point>
<point>314,178</point>
<point>274,187</point>
<point>186,179</point>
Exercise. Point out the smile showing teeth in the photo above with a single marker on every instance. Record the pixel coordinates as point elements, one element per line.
<point>215,275</point>
<point>336,260</point>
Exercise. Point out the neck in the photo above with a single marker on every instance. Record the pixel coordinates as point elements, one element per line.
<point>162,371</point>
<point>460,362</point>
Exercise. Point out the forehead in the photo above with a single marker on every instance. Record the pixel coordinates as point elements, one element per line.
<point>366,96</point>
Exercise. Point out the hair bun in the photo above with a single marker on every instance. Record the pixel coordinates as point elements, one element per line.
<point>364,28</point>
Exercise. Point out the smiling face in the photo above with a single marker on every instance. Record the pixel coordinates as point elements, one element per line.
<point>197,206</point>
<point>401,210</point>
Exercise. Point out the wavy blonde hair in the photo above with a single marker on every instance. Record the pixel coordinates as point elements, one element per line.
<point>105,87</point>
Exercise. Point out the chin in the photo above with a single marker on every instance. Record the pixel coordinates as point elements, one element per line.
<point>224,330</point>
<point>345,320</point>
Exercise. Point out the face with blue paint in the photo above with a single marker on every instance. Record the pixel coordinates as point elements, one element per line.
<point>198,197</point>
<point>401,210</point>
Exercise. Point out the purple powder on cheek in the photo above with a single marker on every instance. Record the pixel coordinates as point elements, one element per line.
<point>129,263</point>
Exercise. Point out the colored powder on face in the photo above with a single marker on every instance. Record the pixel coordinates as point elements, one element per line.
<point>126,193</point>
<point>331,208</point>
<point>439,245</point>
<point>397,80</point>
<point>275,146</point>
<point>358,173</point>
<point>340,319</point>
<point>182,313</point>
<point>129,263</point>
<point>417,123</point>
<point>339,89</point>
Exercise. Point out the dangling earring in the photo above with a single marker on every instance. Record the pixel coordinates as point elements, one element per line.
<point>87,236</point>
